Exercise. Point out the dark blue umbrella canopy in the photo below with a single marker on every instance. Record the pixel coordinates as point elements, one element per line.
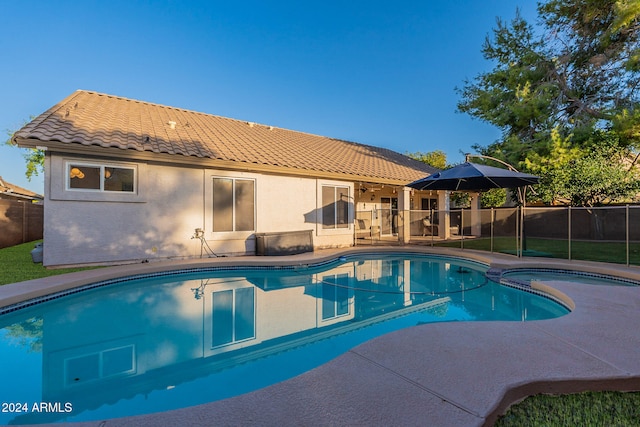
<point>473,177</point>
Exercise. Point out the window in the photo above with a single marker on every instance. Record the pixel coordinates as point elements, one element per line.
<point>100,178</point>
<point>335,296</point>
<point>101,364</point>
<point>233,204</point>
<point>335,207</point>
<point>233,316</point>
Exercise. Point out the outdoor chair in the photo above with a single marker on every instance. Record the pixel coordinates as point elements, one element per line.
<point>428,227</point>
<point>365,229</point>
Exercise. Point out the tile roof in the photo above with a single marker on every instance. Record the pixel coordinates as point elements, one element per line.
<point>94,119</point>
<point>14,191</point>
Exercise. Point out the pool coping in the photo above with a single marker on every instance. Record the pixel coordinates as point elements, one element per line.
<point>459,373</point>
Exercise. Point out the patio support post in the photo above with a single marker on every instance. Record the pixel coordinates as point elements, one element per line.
<point>444,220</point>
<point>404,206</point>
<point>431,216</point>
<point>476,224</point>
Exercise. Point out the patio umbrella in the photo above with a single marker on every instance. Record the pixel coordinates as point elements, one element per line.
<point>473,177</point>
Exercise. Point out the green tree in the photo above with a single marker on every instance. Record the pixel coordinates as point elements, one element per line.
<point>437,158</point>
<point>561,91</point>
<point>596,48</point>
<point>493,198</point>
<point>515,96</point>
<point>552,166</point>
<point>27,334</point>
<point>595,173</point>
<point>599,177</point>
<point>33,157</point>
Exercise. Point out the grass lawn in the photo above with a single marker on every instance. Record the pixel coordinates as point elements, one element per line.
<point>17,265</point>
<point>584,409</point>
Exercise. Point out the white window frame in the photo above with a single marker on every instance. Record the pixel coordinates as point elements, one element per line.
<point>69,164</point>
<point>233,206</point>
<point>233,341</point>
<point>334,282</point>
<point>100,365</point>
<point>319,205</point>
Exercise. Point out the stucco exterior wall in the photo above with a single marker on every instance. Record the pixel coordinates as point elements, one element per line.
<point>159,219</point>
<point>157,222</point>
<point>282,204</point>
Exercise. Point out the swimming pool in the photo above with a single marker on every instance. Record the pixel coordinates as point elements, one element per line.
<point>152,344</point>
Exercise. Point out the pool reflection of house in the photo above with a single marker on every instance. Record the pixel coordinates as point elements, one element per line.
<point>165,335</point>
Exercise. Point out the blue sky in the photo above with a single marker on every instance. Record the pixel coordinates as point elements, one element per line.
<point>375,72</point>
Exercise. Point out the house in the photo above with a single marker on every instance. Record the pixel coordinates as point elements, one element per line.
<point>10,191</point>
<point>21,215</point>
<point>130,181</point>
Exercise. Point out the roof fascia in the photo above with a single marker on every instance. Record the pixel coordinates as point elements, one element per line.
<point>19,196</point>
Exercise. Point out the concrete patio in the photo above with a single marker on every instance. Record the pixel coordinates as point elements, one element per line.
<point>444,374</point>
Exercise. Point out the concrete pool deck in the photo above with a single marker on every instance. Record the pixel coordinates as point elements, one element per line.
<point>442,374</point>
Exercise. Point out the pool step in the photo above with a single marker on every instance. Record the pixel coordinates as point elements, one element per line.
<point>494,274</point>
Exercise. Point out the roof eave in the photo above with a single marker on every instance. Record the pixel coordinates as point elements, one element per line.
<point>148,156</point>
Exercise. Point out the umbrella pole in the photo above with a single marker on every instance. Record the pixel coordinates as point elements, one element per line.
<point>521,231</point>
<point>523,234</point>
<point>518,228</point>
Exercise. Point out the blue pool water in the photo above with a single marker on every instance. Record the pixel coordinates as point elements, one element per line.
<point>173,341</point>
